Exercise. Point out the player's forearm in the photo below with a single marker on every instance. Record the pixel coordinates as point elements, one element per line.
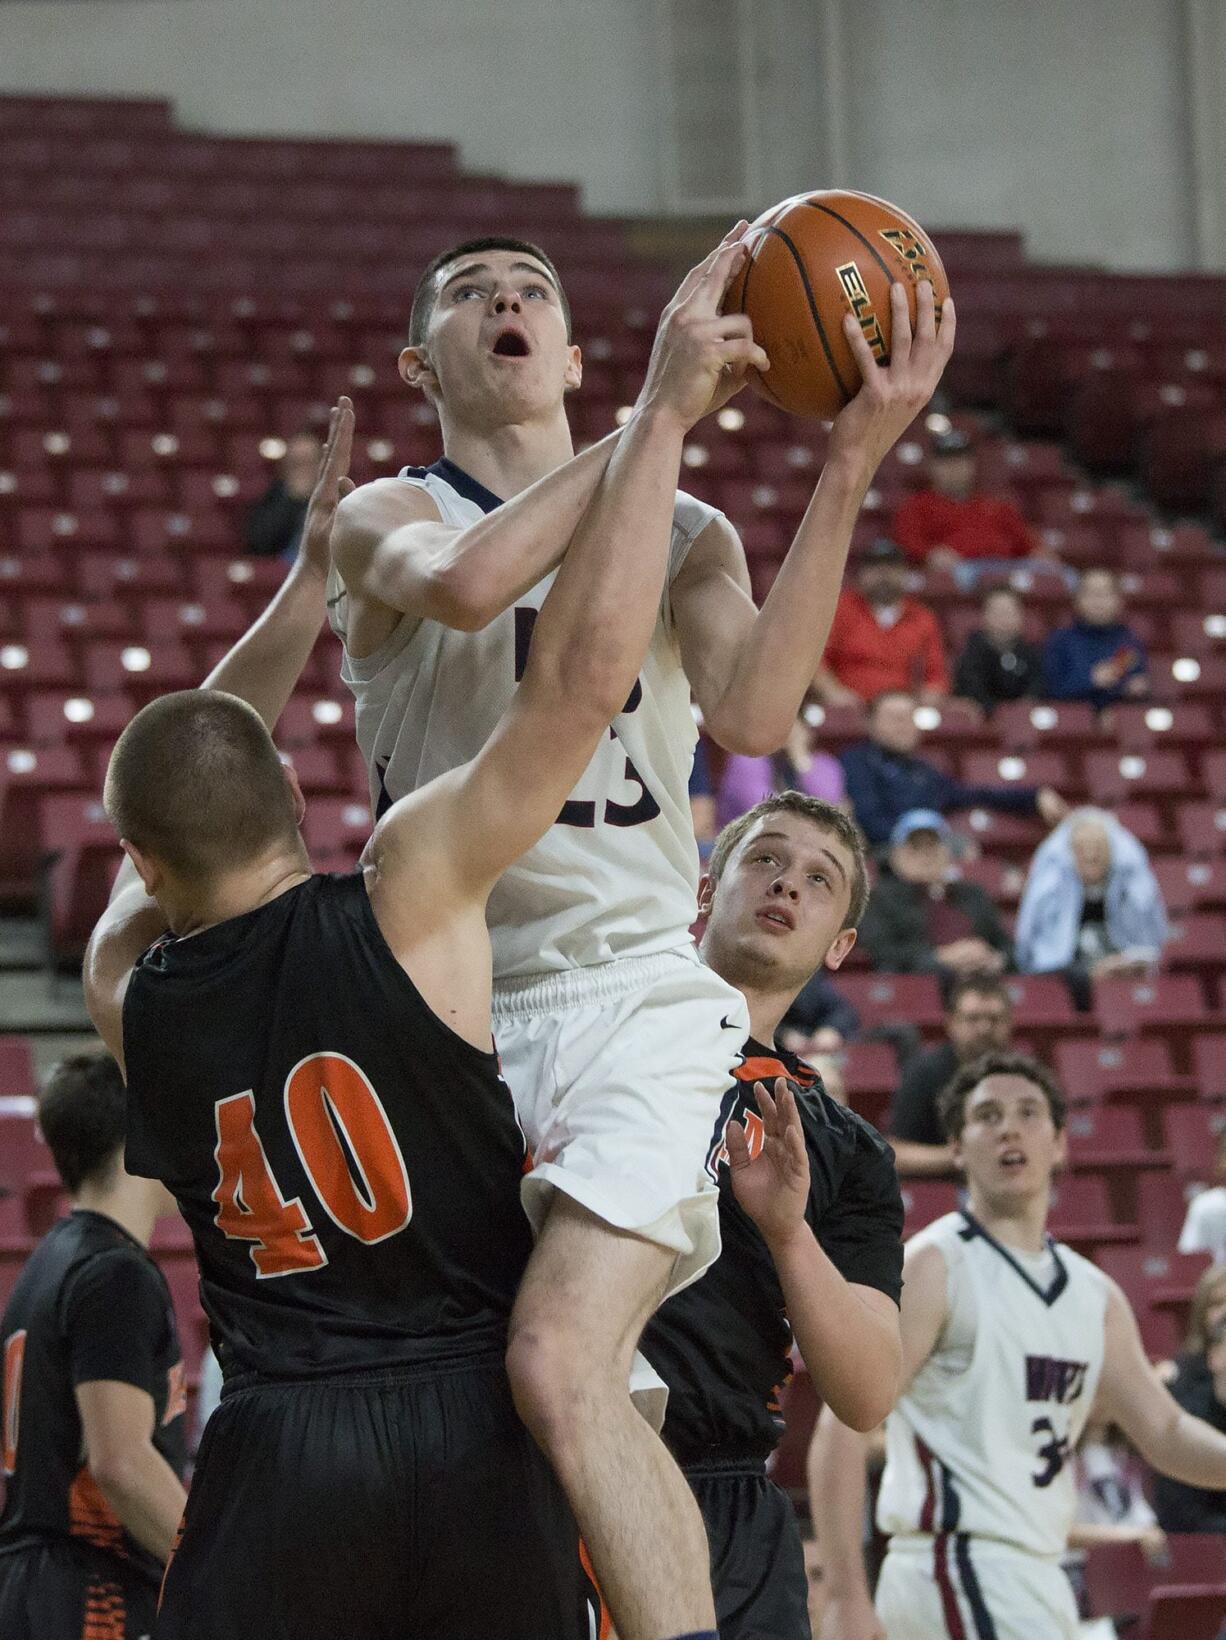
<point>597,621</point>
<point>838,1461</point>
<point>916,1161</point>
<point>483,569</point>
<point>782,651</point>
<point>264,665</point>
<point>1186,1449</point>
<point>146,1495</point>
<point>853,1354</point>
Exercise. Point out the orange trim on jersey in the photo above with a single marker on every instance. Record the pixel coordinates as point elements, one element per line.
<point>174,1549</point>
<point>605,1628</point>
<point>14,1361</point>
<point>766,1070</point>
<point>106,1613</point>
<point>90,1516</point>
<point>176,1394</point>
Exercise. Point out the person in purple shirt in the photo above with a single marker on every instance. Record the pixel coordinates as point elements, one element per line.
<point>1098,658</point>
<point>797,766</point>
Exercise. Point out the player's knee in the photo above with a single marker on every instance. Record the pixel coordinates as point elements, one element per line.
<point>553,1392</point>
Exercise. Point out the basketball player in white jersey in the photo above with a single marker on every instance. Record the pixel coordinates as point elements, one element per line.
<point>615,1040</point>
<point>1009,1340</point>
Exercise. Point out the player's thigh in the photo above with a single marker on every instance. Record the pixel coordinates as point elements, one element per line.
<point>757,1560</point>
<point>964,1586</point>
<point>590,1281</point>
<point>49,1593</point>
<point>299,1508</point>
<point>498,1549</point>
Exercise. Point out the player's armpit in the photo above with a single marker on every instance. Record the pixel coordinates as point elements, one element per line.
<point>123,933</point>
<point>391,548</point>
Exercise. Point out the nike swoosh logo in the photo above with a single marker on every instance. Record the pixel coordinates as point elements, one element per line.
<point>727,1024</point>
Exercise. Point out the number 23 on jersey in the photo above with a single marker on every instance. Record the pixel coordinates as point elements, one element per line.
<point>346,1145</point>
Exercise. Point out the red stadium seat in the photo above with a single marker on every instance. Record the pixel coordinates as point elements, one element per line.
<point>26,773</point>
<point>336,830</point>
<point>86,855</point>
<point>1023,724</point>
<point>1198,942</point>
<point>1202,827</point>
<point>1116,777</point>
<point>1091,1069</point>
<point>16,1070</point>
<point>895,999</point>
<point>1173,1004</point>
<point>927,1199</point>
<point>1159,1286</point>
<point>1189,885</point>
<point>1138,728</point>
<point>1042,1005</point>
<point>1082,1213</point>
<point>1162,1205</point>
<point>1193,1132</point>
<point>142,670</point>
<point>1112,1137</point>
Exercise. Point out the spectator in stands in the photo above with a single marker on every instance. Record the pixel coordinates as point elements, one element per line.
<point>998,664</point>
<point>1111,1502</point>
<point>1091,908</point>
<point>978,1020</point>
<point>1199,1386</point>
<point>798,766</point>
<point>881,638</point>
<point>820,1018</point>
<point>273,524</point>
<point>949,523</point>
<point>922,917</point>
<point>1204,1228</point>
<point>1098,658</point>
<point>885,779</point>
<point>702,801</point>
<point>93,1387</point>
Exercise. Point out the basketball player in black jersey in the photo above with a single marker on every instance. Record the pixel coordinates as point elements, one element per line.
<point>92,1389</point>
<point>810,1218</point>
<point>309,1068</point>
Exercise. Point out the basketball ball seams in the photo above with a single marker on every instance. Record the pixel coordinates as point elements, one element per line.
<point>813,309</point>
<point>743,305</point>
<point>815,205</point>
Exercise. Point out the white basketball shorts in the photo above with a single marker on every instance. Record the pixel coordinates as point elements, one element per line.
<point>619,1072</point>
<point>958,1587</point>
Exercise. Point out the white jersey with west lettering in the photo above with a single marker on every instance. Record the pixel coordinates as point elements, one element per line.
<point>980,1443</point>
<point>617,875</point>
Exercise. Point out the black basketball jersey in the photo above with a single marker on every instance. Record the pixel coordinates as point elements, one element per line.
<point>90,1305</point>
<point>723,1344</point>
<point>348,1165</point>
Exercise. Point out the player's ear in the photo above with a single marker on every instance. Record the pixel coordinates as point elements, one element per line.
<point>706,894</point>
<point>414,367</point>
<point>574,369</point>
<point>841,949</point>
<point>146,866</point>
<point>1062,1147</point>
<point>295,789</point>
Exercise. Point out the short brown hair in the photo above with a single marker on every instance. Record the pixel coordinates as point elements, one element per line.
<point>195,781</point>
<point>82,1114</point>
<point>425,294</point>
<point>825,816</point>
<point>951,1101</point>
<point>978,985</point>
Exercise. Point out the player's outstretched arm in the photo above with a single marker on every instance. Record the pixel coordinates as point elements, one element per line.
<point>1170,1440</point>
<point>838,1488</point>
<point>750,670</point>
<point>262,668</point>
<point>838,1457</point>
<point>392,549</point>
<point>848,1334</point>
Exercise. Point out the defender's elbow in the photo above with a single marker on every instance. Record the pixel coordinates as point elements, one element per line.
<point>743,735</point>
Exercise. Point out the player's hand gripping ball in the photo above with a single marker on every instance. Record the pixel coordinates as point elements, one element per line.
<point>814,258</point>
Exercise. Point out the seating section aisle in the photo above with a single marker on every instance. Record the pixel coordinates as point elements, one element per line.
<point>177,305</point>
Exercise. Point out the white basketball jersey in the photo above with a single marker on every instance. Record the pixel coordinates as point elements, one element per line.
<point>981,1442</point>
<point>617,876</point>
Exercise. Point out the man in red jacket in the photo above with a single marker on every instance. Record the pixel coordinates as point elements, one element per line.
<point>942,526</point>
<point>881,640</point>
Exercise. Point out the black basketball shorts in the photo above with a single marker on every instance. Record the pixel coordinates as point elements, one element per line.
<point>757,1560</point>
<point>391,1506</point>
<point>50,1591</point>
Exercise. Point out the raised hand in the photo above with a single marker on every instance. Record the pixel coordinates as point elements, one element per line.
<point>331,483</point>
<point>892,395</point>
<point>773,1186</point>
<point>700,355</point>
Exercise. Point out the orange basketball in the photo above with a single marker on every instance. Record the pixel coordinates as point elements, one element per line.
<point>812,259</point>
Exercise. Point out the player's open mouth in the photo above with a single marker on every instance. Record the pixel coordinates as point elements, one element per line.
<point>1011,1160</point>
<point>776,917</point>
<point>511,345</point>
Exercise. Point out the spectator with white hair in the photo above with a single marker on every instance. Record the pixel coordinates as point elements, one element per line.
<point>1091,907</point>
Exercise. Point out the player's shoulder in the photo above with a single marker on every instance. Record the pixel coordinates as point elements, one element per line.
<point>384,503</point>
<point>946,1236</point>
